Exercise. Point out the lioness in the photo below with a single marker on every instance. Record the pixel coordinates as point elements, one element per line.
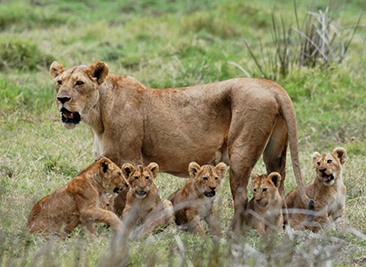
<point>195,200</point>
<point>76,203</point>
<point>143,204</point>
<point>327,190</point>
<point>265,208</point>
<point>236,121</point>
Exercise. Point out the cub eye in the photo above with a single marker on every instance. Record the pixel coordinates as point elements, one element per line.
<point>205,178</point>
<point>136,177</point>
<point>318,163</point>
<point>147,177</point>
<point>107,205</point>
<point>216,178</point>
<point>59,82</point>
<point>120,174</point>
<point>255,190</point>
<point>264,189</point>
<point>79,83</point>
<point>329,161</point>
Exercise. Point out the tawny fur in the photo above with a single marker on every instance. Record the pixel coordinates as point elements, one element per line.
<point>195,201</point>
<point>327,190</point>
<point>106,202</point>
<point>77,202</point>
<point>236,121</point>
<point>143,204</point>
<point>265,208</point>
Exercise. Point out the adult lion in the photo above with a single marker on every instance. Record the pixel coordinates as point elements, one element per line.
<point>236,121</point>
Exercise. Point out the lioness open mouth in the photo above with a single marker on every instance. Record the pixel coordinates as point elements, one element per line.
<point>70,117</point>
<point>209,194</point>
<point>327,178</point>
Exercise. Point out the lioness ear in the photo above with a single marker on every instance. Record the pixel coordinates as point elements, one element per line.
<point>340,153</point>
<point>127,169</point>
<point>275,178</point>
<point>221,169</point>
<point>56,69</point>
<point>154,168</point>
<point>193,169</point>
<point>99,71</point>
<point>316,156</point>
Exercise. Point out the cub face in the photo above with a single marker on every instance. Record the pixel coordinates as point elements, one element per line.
<point>77,90</point>
<point>110,176</point>
<point>141,178</point>
<point>328,167</point>
<point>207,178</point>
<point>265,188</point>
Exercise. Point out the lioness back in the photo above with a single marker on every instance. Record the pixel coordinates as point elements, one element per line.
<point>327,190</point>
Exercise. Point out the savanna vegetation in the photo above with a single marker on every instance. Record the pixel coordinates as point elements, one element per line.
<point>316,51</point>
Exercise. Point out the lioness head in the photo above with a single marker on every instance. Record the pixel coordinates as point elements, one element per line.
<point>207,178</point>
<point>141,178</point>
<point>110,176</point>
<point>328,167</point>
<point>265,188</point>
<point>77,90</point>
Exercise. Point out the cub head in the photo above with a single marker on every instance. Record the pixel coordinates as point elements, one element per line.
<point>77,90</point>
<point>265,188</point>
<point>110,176</point>
<point>328,167</point>
<point>141,178</point>
<point>207,178</point>
<point>106,202</point>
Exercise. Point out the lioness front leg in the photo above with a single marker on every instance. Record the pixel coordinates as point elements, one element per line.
<point>194,222</point>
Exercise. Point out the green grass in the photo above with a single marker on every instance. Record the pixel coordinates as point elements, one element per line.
<point>166,44</point>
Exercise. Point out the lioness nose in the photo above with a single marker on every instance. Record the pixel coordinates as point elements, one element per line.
<point>323,170</point>
<point>63,99</point>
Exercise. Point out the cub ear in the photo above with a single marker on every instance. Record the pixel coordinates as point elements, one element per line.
<point>105,164</point>
<point>316,157</point>
<point>341,154</point>
<point>193,169</point>
<point>221,169</point>
<point>99,158</point>
<point>275,178</point>
<point>154,168</point>
<point>253,176</point>
<point>56,69</point>
<point>98,70</point>
<point>127,169</point>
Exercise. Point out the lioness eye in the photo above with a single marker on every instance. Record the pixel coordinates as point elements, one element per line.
<point>205,178</point>
<point>79,83</point>
<point>318,163</point>
<point>147,177</point>
<point>264,189</point>
<point>136,177</point>
<point>329,161</point>
<point>59,82</point>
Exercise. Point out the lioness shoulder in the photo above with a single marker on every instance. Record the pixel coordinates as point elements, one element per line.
<point>327,190</point>
<point>265,208</point>
<point>195,200</point>
<point>77,202</point>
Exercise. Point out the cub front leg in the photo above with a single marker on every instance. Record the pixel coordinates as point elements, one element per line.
<point>339,218</point>
<point>96,215</point>
<point>213,224</point>
<point>194,222</point>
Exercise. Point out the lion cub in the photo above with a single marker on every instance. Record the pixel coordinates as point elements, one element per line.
<point>265,208</point>
<point>327,190</point>
<point>195,200</point>
<point>77,202</point>
<point>143,204</point>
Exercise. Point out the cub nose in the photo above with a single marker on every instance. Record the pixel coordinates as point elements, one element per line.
<point>63,99</point>
<point>212,187</point>
<point>323,170</point>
